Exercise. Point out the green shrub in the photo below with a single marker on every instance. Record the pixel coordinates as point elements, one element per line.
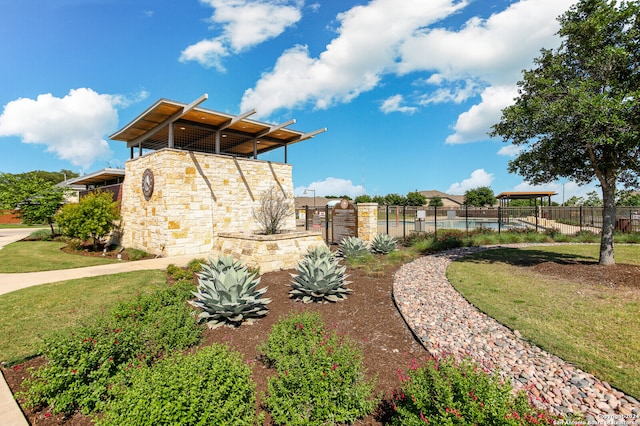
<point>135,254</point>
<point>84,362</point>
<point>629,238</point>
<point>211,387</point>
<point>586,237</point>
<point>41,235</point>
<point>320,378</point>
<point>179,274</point>
<point>446,392</point>
<point>448,239</point>
<point>195,265</point>
<point>92,218</point>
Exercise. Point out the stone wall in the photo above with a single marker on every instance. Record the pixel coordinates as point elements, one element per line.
<point>367,221</point>
<point>196,197</point>
<point>268,252</point>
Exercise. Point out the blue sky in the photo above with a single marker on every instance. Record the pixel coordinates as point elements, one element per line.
<point>407,89</point>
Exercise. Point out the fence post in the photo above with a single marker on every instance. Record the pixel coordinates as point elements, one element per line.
<point>499,220</point>
<point>306,218</point>
<point>466,218</point>
<point>387,219</point>
<point>404,222</point>
<point>580,218</point>
<point>326,223</point>
<point>435,221</point>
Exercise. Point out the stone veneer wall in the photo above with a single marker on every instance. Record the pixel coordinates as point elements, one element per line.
<point>196,197</point>
<point>268,252</point>
<point>367,221</point>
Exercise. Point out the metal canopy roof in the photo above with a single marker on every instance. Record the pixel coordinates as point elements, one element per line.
<point>101,177</point>
<point>525,195</point>
<point>171,124</point>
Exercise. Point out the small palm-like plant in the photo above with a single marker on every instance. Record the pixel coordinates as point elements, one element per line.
<point>227,294</point>
<point>383,244</point>
<point>352,247</point>
<point>319,278</point>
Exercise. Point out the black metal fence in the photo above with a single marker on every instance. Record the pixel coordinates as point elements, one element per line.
<point>317,219</point>
<point>402,221</point>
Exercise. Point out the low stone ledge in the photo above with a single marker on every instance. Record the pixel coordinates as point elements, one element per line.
<point>267,252</point>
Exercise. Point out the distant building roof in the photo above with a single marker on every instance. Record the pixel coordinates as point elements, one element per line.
<point>525,195</point>
<point>108,176</point>
<point>447,199</point>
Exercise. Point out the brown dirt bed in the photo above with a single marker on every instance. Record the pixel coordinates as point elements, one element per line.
<point>368,315</point>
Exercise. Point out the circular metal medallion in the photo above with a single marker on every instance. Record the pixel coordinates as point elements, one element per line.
<point>147,183</point>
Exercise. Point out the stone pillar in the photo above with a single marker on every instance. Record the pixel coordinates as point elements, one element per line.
<point>367,221</point>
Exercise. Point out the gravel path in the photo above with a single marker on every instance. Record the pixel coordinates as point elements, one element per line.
<point>446,323</point>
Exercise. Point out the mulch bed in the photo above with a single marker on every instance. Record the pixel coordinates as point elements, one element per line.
<point>368,316</point>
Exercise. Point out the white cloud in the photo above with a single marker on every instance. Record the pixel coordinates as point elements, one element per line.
<point>479,177</point>
<point>394,104</point>
<point>474,124</point>
<point>331,186</point>
<point>485,56</point>
<point>72,127</point>
<point>244,24</point>
<point>510,150</point>
<point>566,190</point>
<point>365,49</point>
<point>457,92</point>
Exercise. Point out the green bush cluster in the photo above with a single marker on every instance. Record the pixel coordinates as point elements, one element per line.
<point>90,219</point>
<point>86,360</point>
<point>210,387</point>
<point>320,377</point>
<point>447,392</point>
<point>447,239</point>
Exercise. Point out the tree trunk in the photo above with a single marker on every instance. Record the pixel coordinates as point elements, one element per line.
<point>608,224</point>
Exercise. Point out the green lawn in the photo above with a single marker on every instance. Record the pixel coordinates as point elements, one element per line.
<point>29,314</point>
<point>593,326</point>
<point>20,225</point>
<point>32,256</point>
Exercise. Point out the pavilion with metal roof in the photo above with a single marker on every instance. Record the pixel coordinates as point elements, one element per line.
<point>171,124</point>
<point>505,197</point>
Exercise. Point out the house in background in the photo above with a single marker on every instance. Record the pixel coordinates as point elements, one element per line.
<point>451,201</point>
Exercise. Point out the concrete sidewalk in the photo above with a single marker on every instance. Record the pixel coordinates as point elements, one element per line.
<point>10,413</point>
<point>13,282</point>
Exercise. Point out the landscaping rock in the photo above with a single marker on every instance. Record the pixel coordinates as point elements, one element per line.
<point>447,324</point>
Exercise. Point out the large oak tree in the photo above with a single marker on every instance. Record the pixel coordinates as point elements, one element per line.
<point>577,112</point>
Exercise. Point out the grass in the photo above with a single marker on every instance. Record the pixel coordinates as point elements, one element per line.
<point>594,327</point>
<point>21,225</point>
<point>34,312</point>
<point>32,256</point>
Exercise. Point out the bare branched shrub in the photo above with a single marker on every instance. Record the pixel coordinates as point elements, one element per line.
<point>273,211</point>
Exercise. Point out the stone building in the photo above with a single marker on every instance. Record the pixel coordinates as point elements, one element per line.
<point>196,180</point>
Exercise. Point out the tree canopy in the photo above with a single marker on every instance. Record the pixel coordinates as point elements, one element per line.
<point>33,195</point>
<point>479,197</point>
<point>577,112</point>
<point>436,202</point>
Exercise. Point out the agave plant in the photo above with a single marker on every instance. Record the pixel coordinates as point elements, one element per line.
<point>352,247</point>
<point>319,278</point>
<point>227,294</point>
<point>383,244</point>
<point>318,252</point>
